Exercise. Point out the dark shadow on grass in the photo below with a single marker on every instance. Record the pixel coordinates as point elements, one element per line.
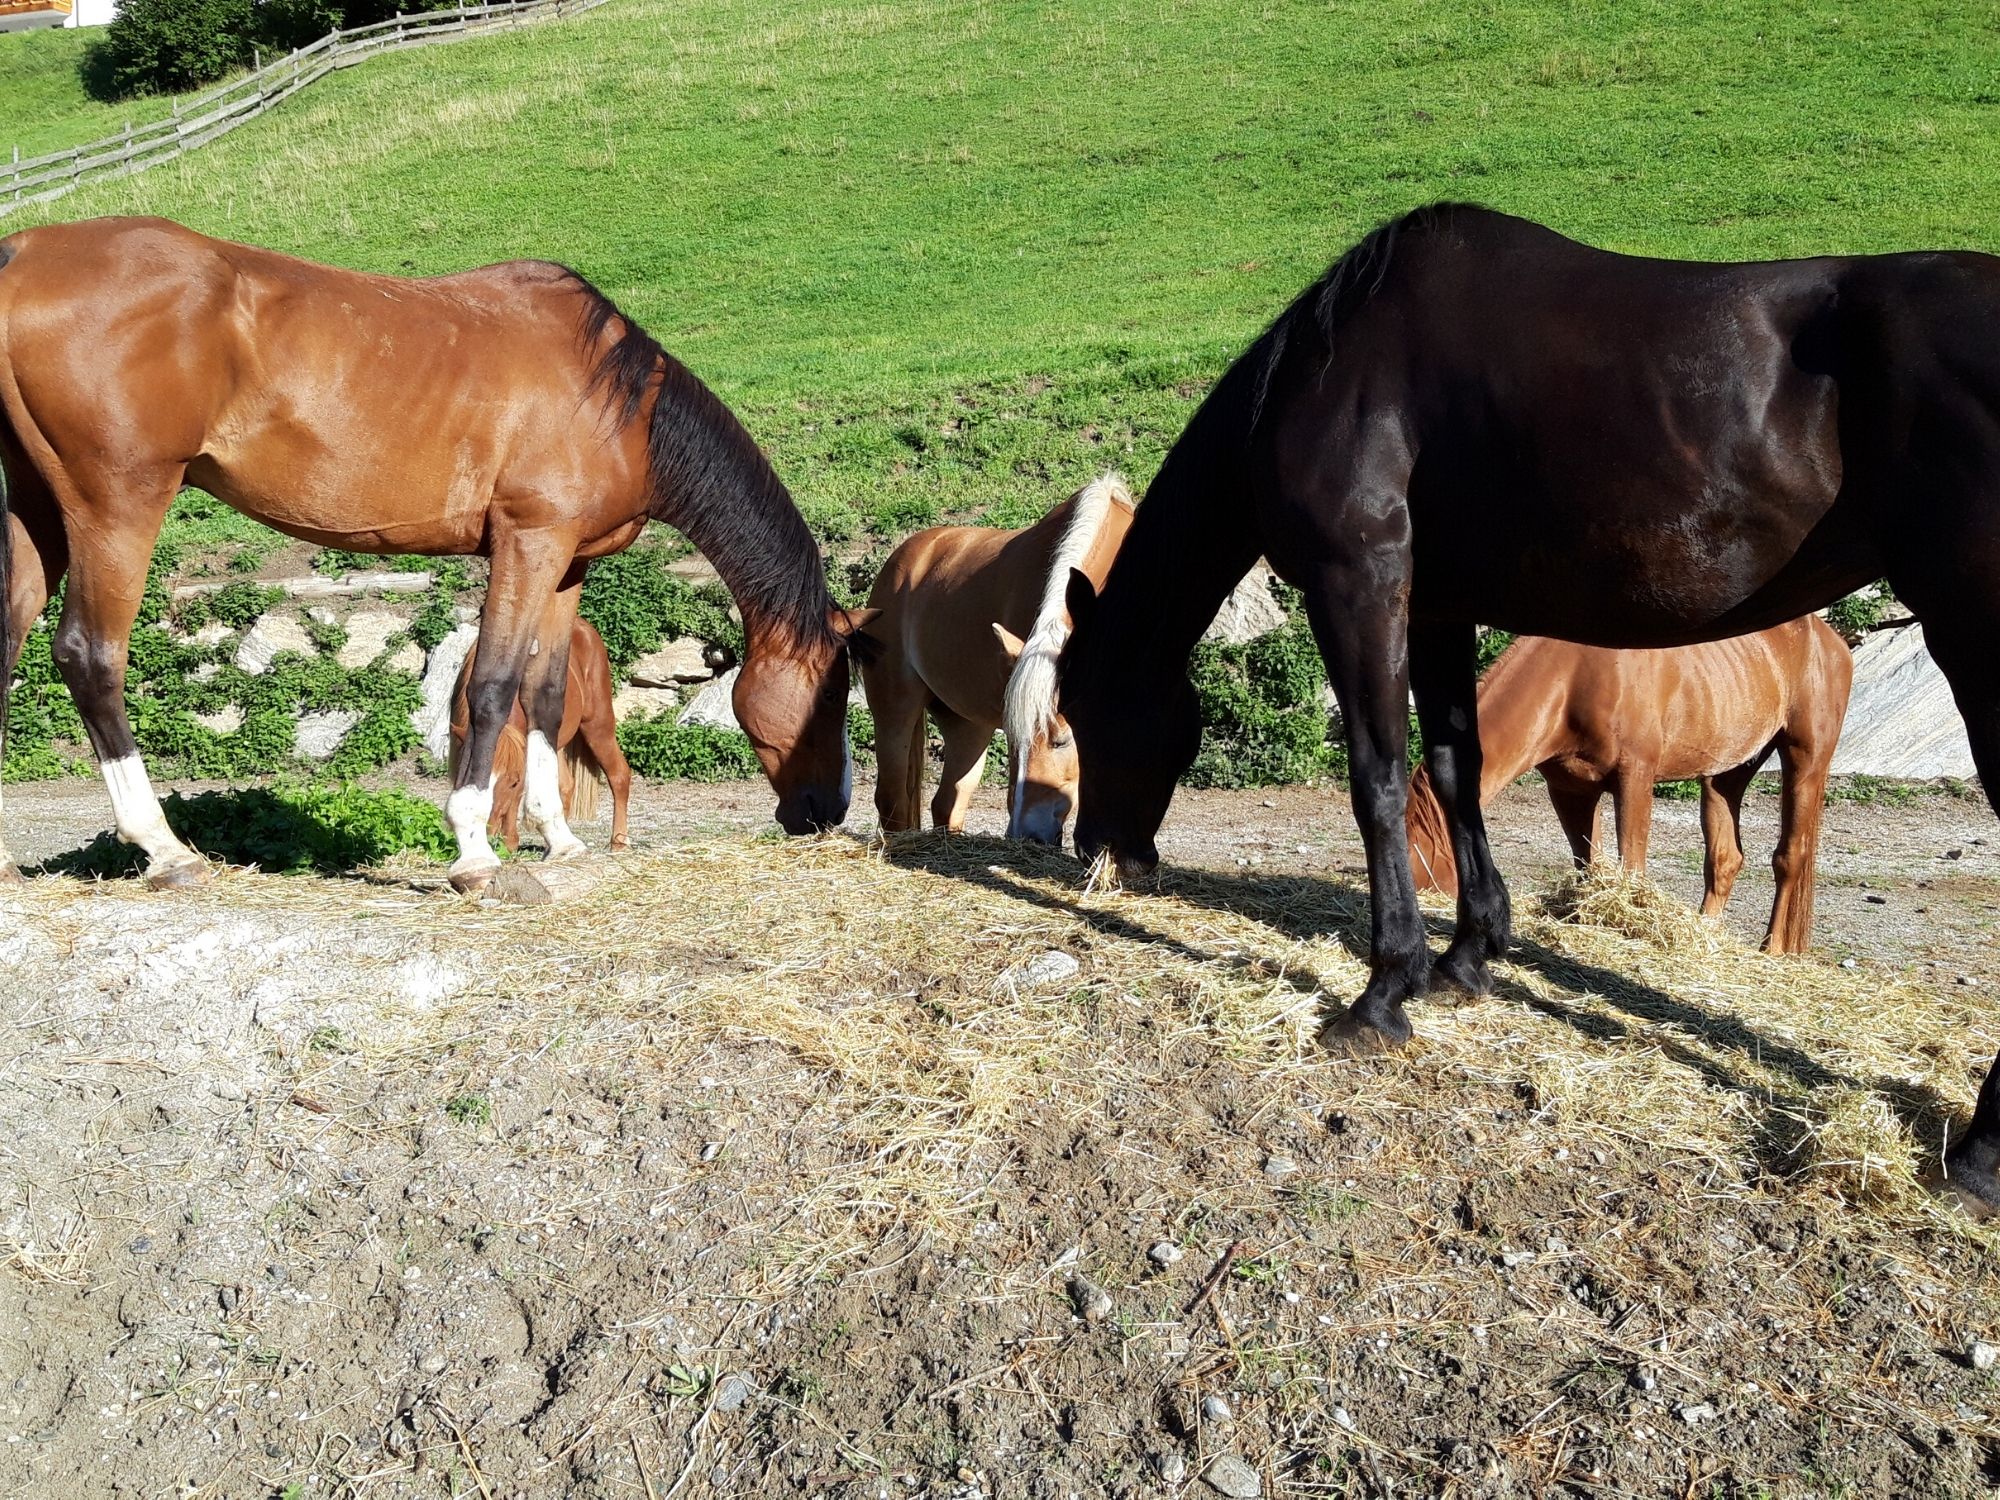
<point>1308,906</point>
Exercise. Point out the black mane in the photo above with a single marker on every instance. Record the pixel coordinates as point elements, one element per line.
<point>709,479</point>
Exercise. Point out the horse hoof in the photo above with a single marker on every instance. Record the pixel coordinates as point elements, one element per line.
<point>574,849</point>
<point>473,879</point>
<point>1460,979</point>
<point>620,844</point>
<point>1348,1035</point>
<point>1975,1192</point>
<point>182,875</point>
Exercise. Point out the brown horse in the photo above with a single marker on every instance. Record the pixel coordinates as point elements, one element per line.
<point>511,412</point>
<point>586,745</point>
<point>970,621</point>
<point>1593,720</point>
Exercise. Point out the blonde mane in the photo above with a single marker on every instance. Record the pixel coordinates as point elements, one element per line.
<point>1031,690</point>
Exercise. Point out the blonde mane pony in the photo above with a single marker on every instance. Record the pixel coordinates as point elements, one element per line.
<point>1030,710</point>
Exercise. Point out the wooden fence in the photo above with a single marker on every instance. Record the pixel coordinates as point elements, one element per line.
<point>197,121</point>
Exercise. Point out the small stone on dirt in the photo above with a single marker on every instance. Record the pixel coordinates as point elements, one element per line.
<point>1984,1356</point>
<point>1848,963</point>
<point>1164,1254</point>
<point>1227,1474</point>
<point>228,1297</point>
<point>1279,1166</point>
<point>1092,1302</point>
<point>1215,1410</point>
<point>1513,1259</point>
<point>710,1150</point>
<point>1170,1466</point>
<point>1698,1413</point>
<point>432,1363</point>
<point>1642,1380</point>
<point>1052,967</point>
<point>733,1393</point>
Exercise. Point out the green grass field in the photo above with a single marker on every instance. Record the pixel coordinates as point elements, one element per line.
<point>43,104</point>
<point>950,257</point>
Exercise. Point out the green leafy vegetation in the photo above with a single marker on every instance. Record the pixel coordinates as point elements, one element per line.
<point>662,750</point>
<point>636,605</point>
<point>1860,612</point>
<point>1263,721</point>
<point>288,828</point>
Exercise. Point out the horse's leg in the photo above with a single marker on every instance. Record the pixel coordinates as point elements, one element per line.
<point>1632,795</point>
<point>1959,619</point>
<point>1444,673</point>
<point>1722,834</point>
<point>37,555</point>
<point>965,745</point>
<point>544,684</point>
<point>527,568</point>
<point>897,703</point>
<point>600,735</point>
<point>1355,600</point>
<point>111,530</point>
<point>1577,811</point>
<point>1804,764</point>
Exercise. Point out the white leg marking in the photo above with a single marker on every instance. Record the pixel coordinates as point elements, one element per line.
<point>541,799</point>
<point>135,812</point>
<point>467,809</point>
<point>846,768</point>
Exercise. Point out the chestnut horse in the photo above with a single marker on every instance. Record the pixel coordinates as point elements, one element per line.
<point>512,412</point>
<point>1593,720</point>
<point>1471,419</point>
<point>586,745</point>
<point>969,621</point>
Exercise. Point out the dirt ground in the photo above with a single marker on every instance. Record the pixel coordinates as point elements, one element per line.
<point>780,1168</point>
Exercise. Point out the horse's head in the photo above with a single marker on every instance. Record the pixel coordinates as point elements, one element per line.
<point>1135,734</point>
<point>1041,755</point>
<point>791,699</point>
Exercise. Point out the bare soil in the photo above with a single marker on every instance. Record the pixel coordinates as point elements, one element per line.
<point>767,1169</point>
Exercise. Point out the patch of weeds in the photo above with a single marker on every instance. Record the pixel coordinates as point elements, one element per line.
<point>329,1039</point>
<point>1262,720</point>
<point>469,1109</point>
<point>663,750</point>
<point>1323,1204</point>
<point>1677,791</point>
<point>636,604</point>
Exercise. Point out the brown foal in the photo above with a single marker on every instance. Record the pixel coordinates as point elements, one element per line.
<point>586,745</point>
<point>510,412</point>
<point>969,623</point>
<point>1593,720</point>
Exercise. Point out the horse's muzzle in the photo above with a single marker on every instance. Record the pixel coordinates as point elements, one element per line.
<point>810,812</point>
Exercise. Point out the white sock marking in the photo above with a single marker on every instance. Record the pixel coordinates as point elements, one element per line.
<point>467,809</point>
<point>541,798</point>
<point>135,812</point>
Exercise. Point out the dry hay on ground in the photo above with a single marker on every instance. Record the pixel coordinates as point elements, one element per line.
<point>353,1183</point>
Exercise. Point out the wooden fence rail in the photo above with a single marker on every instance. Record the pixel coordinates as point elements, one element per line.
<point>199,120</point>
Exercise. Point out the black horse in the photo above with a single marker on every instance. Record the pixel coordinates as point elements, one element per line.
<point>1471,419</point>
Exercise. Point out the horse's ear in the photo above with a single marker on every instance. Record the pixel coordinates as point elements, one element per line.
<point>1011,643</point>
<point>851,626</point>
<point>1081,597</point>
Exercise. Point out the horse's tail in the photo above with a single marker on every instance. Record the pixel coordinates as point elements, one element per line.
<point>580,768</point>
<point>1430,838</point>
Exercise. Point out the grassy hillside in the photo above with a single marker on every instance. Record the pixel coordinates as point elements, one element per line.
<point>43,105</point>
<point>951,255</point>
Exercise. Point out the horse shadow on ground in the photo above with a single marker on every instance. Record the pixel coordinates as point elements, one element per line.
<point>1301,907</point>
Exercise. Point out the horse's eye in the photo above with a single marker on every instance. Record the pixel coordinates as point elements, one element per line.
<point>1061,741</point>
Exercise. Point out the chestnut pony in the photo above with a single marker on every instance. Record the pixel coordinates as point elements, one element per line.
<point>968,622</point>
<point>511,412</point>
<point>1592,720</point>
<point>586,745</point>
<point>1471,419</point>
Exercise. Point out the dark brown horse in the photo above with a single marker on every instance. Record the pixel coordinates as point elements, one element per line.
<point>586,746</point>
<point>510,412</point>
<point>1470,419</point>
<point>1594,720</point>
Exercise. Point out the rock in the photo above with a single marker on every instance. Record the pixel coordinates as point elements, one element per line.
<point>320,734</point>
<point>1902,719</point>
<point>684,660</point>
<point>710,1150</point>
<point>1848,963</point>
<point>319,614</point>
<point>270,637</point>
<point>1227,1474</point>
<point>712,706</point>
<point>407,658</point>
<point>1279,1166</point>
<point>227,1297</point>
<point>1216,1411</point>
<point>628,701</point>
<point>695,569</point>
<point>1513,1259</point>
<point>1249,611</point>
<point>433,716</point>
<point>1698,1414</point>
<point>225,720</point>
<point>1164,1254</point>
<point>1642,1380</point>
<point>1170,1466</point>
<point>368,633</point>
<point>432,1363</point>
<point>1052,967</point>
<point>1342,1419</point>
<point>1984,1356</point>
<point>733,1392</point>
<point>214,633</point>
<point>317,586</point>
<point>1092,1302</point>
